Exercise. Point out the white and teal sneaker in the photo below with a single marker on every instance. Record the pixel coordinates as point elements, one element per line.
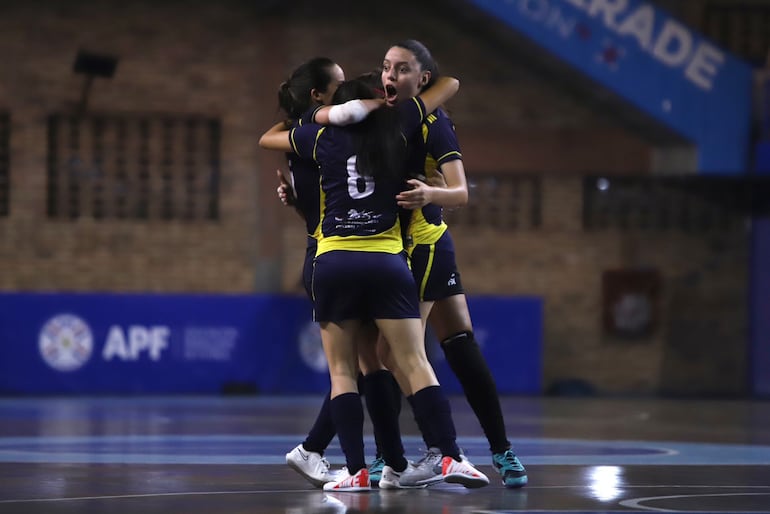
<point>375,470</point>
<point>510,468</point>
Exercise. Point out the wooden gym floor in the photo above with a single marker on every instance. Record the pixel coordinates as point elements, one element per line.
<point>225,455</point>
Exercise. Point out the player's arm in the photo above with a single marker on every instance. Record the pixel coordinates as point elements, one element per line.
<point>348,113</point>
<point>454,194</point>
<point>442,90</point>
<point>414,111</point>
<point>276,138</point>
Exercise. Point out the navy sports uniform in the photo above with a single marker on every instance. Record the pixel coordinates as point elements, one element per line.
<point>304,180</point>
<point>435,271</point>
<point>359,237</point>
<point>428,241</point>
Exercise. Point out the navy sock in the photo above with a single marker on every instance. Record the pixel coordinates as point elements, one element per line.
<point>431,404</point>
<point>397,394</point>
<point>469,366</point>
<point>348,416</point>
<point>427,436</point>
<point>322,432</point>
<point>383,411</point>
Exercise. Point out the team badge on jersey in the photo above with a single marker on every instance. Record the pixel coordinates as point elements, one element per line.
<point>65,342</point>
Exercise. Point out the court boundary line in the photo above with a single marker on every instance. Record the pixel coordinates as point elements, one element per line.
<point>317,491</point>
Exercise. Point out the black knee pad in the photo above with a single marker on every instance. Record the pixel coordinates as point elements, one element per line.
<point>458,339</point>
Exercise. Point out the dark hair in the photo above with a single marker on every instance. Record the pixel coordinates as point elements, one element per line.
<point>423,56</point>
<point>378,143</point>
<point>294,94</point>
<point>373,79</point>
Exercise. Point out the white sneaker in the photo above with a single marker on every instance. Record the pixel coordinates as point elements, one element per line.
<point>332,505</point>
<point>426,471</point>
<point>462,472</point>
<point>352,483</point>
<point>310,465</point>
<point>392,479</point>
<point>346,502</point>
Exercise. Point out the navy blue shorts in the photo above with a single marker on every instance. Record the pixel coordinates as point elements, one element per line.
<point>364,286</point>
<point>435,270</point>
<point>307,267</point>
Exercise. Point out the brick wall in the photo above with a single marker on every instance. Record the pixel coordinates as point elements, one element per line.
<point>699,343</point>
<point>225,60</point>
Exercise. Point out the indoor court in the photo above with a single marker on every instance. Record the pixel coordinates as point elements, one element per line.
<point>226,455</point>
<point>189,261</point>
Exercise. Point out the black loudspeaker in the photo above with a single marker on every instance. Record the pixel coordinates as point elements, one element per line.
<point>96,65</point>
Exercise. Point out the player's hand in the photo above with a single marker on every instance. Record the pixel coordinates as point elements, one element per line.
<point>419,196</point>
<point>284,190</point>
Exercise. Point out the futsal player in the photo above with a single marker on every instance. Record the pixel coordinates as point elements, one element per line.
<point>310,86</point>
<point>409,69</point>
<point>360,273</point>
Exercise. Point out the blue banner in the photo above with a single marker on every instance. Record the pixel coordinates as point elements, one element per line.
<point>509,332</point>
<point>70,343</point>
<point>122,344</point>
<point>653,61</point>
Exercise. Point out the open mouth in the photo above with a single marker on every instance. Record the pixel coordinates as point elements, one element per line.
<point>390,94</point>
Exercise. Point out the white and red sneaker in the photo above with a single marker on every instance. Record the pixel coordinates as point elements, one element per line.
<point>350,483</point>
<point>462,472</point>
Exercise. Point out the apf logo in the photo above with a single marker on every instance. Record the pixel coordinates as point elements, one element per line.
<point>65,342</point>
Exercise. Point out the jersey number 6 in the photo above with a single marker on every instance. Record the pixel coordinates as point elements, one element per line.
<point>358,186</point>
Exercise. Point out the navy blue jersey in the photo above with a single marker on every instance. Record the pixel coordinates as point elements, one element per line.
<point>357,212</point>
<point>435,144</point>
<point>305,179</point>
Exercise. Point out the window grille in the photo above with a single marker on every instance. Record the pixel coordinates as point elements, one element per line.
<point>500,201</point>
<point>743,27</point>
<point>133,167</point>
<point>689,204</point>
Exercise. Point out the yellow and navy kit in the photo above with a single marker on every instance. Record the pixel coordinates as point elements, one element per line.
<point>435,144</point>
<point>356,212</point>
<point>305,178</point>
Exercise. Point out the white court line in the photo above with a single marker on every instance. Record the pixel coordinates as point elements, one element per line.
<point>604,511</point>
<point>316,491</point>
<point>173,450</point>
<point>635,503</point>
<point>151,495</point>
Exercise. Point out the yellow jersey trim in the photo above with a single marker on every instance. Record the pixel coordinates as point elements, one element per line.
<point>386,242</point>
<point>421,232</point>
<point>454,152</point>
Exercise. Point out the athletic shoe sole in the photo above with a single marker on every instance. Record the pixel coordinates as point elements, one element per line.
<point>317,483</point>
